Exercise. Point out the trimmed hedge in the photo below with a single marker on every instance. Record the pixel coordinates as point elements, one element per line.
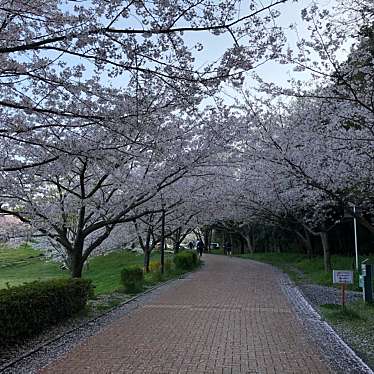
<point>185,260</point>
<point>132,278</point>
<point>28,309</point>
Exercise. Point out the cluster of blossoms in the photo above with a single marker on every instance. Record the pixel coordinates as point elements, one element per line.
<point>105,128</point>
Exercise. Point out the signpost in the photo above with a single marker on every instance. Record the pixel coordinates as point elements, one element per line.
<point>342,277</point>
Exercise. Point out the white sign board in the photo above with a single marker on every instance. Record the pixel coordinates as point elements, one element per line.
<point>342,276</point>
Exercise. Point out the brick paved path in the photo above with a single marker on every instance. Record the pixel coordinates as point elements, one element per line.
<point>229,317</point>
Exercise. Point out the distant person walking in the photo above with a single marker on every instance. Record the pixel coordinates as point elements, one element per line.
<point>227,248</point>
<point>200,247</point>
<point>190,245</point>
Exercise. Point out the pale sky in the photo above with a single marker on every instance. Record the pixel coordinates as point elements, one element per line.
<point>215,46</point>
<point>275,72</point>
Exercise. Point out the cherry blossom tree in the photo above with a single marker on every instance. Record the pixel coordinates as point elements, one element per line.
<point>312,156</point>
<point>105,123</point>
<point>99,105</point>
<point>68,66</point>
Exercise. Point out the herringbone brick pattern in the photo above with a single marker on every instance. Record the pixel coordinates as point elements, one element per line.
<point>229,317</point>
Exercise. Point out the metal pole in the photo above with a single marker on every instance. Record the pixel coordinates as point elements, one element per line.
<point>162,241</point>
<point>355,231</point>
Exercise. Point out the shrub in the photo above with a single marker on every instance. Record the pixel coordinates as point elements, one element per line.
<point>157,276</point>
<point>28,309</point>
<point>154,266</point>
<point>168,265</point>
<point>185,260</point>
<point>132,278</point>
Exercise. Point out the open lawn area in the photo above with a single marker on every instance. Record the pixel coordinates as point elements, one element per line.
<point>24,264</point>
<point>300,268</point>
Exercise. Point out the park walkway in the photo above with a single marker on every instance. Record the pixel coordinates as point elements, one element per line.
<point>229,317</point>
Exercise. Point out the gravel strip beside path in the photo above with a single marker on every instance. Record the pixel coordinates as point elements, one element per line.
<point>56,349</point>
<point>14,351</point>
<point>318,295</point>
<point>334,350</point>
<point>230,317</point>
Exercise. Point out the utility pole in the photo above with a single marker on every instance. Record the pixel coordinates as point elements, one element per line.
<point>355,231</point>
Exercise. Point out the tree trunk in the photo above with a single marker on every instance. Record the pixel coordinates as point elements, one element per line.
<point>176,247</point>
<point>248,241</point>
<point>253,238</point>
<point>147,256</point>
<point>326,251</point>
<point>242,247</point>
<point>308,244</point>
<point>231,242</point>
<point>341,246</point>
<point>306,241</point>
<point>210,239</point>
<point>206,239</point>
<point>162,260</point>
<point>247,235</point>
<point>279,245</point>
<point>76,263</point>
<point>177,240</point>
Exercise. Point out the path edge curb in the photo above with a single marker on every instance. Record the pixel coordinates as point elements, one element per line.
<point>296,297</point>
<point>39,347</point>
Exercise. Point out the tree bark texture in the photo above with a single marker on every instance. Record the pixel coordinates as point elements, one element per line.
<point>326,251</point>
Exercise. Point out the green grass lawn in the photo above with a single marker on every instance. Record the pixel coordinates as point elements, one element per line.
<point>24,264</point>
<point>312,269</point>
<point>104,271</point>
<point>355,323</point>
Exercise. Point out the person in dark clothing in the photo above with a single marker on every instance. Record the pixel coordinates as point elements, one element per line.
<point>190,245</point>
<point>200,247</point>
<point>227,248</point>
